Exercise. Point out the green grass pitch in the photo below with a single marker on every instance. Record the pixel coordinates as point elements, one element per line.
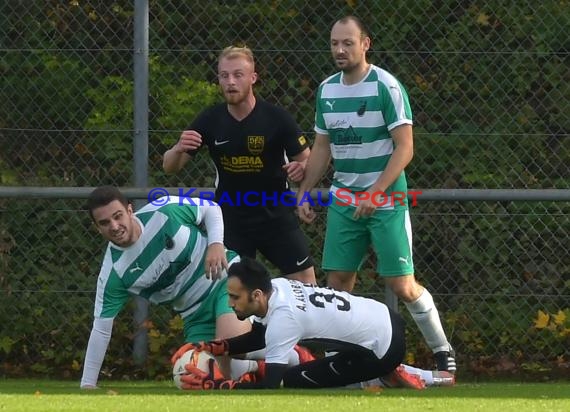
<point>36,395</point>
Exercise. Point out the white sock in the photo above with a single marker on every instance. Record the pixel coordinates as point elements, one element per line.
<point>260,355</point>
<point>425,375</point>
<point>293,358</point>
<point>256,355</point>
<point>426,316</point>
<point>241,366</point>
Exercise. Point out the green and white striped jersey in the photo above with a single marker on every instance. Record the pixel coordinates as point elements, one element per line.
<point>165,265</point>
<point>357,118</point>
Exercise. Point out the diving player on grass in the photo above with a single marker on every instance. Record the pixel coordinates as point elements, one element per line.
<point>368,337</point>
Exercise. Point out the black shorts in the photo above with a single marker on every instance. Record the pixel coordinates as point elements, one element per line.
<point>351,364</point>
<point>280,240</point>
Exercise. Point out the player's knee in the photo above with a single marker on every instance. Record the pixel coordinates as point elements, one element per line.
<point>341,280</point>
<point>335,283</point>
<point>405,288</point>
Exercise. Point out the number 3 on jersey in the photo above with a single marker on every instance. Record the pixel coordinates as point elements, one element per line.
<point>319,299</point>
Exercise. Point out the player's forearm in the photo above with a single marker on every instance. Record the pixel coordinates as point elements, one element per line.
<point>247,342</point>
<point>400,159</point>
<point>211,216</point>
<point>174,160</point>
<point>96,348</point>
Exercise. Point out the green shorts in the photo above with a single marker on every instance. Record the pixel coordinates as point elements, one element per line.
<point>347,240</point>
<point>201,325</point>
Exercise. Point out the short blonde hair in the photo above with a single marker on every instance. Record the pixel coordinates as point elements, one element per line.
<point>232,52</point>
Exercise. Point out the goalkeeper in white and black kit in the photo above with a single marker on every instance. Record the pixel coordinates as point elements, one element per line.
<point>368,337</point>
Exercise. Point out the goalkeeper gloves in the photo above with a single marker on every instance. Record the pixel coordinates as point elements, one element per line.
<point>197,379</point>
<point>216,347</point>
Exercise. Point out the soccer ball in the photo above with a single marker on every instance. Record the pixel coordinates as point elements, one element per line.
<point>201,360</point>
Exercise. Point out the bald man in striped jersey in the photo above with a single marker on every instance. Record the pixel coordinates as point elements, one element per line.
<point>169,254</point>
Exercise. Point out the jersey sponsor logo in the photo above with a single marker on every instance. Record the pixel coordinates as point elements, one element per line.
<point>255,144</point>
<point>338,124</point>
<point>330,103</point>
<point>304,375</point>
<point>300,262</point>
<point>241,163</point>
<point>220,142</point>
<point>345,136</point>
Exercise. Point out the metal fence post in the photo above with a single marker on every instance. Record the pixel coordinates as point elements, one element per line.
<point>141,80</point>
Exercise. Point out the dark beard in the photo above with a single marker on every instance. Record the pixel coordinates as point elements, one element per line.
<point>348,69</point>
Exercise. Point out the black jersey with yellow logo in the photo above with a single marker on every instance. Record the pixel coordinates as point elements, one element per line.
<point>249,154</point>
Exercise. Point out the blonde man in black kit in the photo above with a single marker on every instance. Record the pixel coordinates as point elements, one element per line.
<point>256,147</point>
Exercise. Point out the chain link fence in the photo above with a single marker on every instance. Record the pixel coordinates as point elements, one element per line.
<point>488,81</point>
